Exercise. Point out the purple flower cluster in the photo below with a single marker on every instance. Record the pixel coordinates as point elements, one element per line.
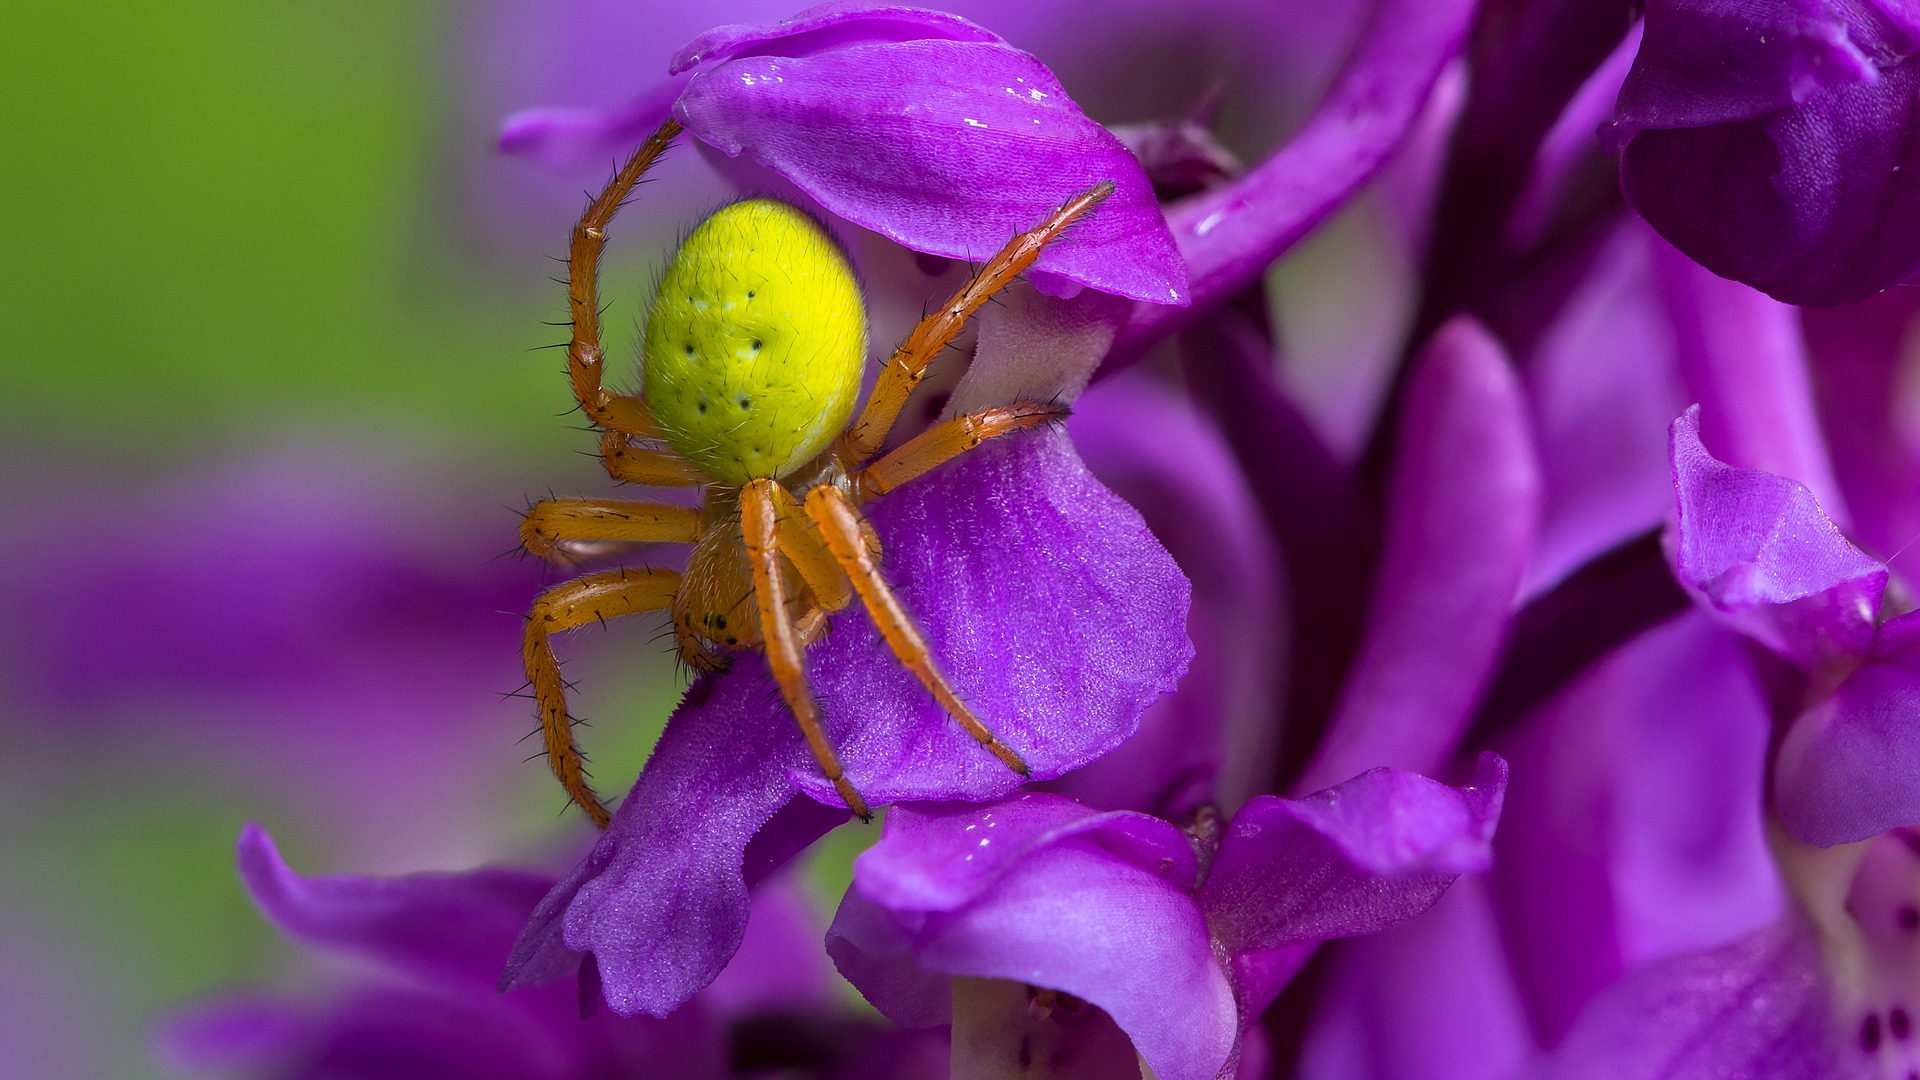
<point>1566,725</point>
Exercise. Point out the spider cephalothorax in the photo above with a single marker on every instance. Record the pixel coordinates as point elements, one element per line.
<point>751,365</point>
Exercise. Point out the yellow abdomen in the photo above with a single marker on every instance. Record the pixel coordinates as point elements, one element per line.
<point>755,344</point>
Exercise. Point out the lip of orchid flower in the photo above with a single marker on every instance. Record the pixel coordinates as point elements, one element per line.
<point>1129,913</point>
<point>1772,142</point>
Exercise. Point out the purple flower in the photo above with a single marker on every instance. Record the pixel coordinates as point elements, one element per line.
<point>1773,141</point>
<point>1181,937</point>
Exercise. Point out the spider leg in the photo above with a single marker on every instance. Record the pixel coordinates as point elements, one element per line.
<point>585,364</point>
<point>651,466</point>
<point>945,441</point>
<point>760,524</point>
<point>552,522</point>
<point>589,599</point>
<point>844,528</point>
<point>935,332</point>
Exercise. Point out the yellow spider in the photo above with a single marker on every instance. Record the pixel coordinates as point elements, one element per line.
<point>750,364</point>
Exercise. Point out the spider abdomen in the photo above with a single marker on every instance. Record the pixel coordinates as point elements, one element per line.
<point>755,345</point>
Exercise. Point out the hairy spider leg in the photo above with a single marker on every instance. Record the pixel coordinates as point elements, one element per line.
<point>845,529</point>
<point>551,522</point>
<point>593,598</point>
<point>585,363</point>
<point>760,524</point>
<point>649,466</point>
<point>947,440</point>
<point>909,362</point>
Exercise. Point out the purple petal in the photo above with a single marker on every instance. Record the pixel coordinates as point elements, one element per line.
<point>826,27</point>
<point>942,857</point>
<point>1745,365</point>
<point>1230,235</point>
<point>1774,144</point>
<point>1431,999</point>
<point>1071,915</point>
<point>1211,740</point>
<point>434,927</point>
<point>1603,387</point>
<point>1849,767</point>
<point>1462,509</point>
<point>948,147</point>
<point>1374,851</point>
<point>1759,553</point>
<point>237,1035</point>
<point>568,138</point>
<point>1759,1007</point>
<point>1630,832</point>
<point>1060,632</point>
<point>1710,61</point>
<point>1856,375</point>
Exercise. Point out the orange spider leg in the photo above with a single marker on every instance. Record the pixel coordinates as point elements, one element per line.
<point>935,332</point>
<point>585,364</point>
<point>760,524</point>
<point>945,441</point>
<point>649,466</point>
<point>551,522</point>
<point>589,599</point>
<point>800,542</point>
<point>845,529</point>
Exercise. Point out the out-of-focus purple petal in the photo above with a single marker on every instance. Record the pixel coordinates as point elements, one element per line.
<point>1759,1007</point>
<point>434,927</point>
<point>940,858</point>
<point>1859,357</point>
<point>1570,148</point>
<point>1745,365</point>
<point>1075,916</point>
<point>1849,767</point>
<point>946,147</point>
<point>825,27</point>
<point>1211,740</point>
<point>565,138</point>
<point>780,965</point>
<point>1711,61</point>
<point>1603,386</point>
<point>1353,859</point>
<point>1463,506</point>
<point>1631,831</point>
<point>1774,143</point>
<point>1229,235</point>
<point>1048,605</point>
<point>1758,551</point>
<point>237,1036</point>
<point>1427,1000</point>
